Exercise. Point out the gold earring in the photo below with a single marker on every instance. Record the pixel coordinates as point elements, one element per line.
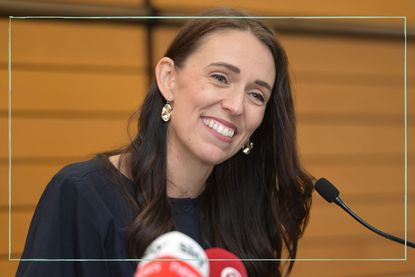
<point>166,112</point>
<point>247,148</point>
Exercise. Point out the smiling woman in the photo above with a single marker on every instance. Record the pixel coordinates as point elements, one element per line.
<point>214,157</point>
<point>215,93</point>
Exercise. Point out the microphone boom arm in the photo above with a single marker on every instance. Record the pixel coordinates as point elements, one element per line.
<point>342,205</point>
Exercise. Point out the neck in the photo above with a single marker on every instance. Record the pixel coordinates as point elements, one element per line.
<point>186,174</point>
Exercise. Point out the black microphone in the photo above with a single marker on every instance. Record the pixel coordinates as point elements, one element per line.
<point>331,194</point>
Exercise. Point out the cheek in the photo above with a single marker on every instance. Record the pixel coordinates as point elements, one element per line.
<point>254,119</point>
<point>195,98</point>
<point>189,92</point>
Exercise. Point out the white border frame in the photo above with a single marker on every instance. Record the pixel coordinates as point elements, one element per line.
<point>210,17</point>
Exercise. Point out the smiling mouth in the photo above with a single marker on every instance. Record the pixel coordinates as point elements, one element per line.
<point>218,127</point>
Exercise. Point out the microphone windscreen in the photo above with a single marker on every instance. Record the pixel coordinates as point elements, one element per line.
<point>326,189</point>
<point>224,263</point>
<point>173,253</point>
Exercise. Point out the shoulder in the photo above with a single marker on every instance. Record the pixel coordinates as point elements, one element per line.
<point>85,176</point>
<point>79,215</point>
<point>81,171</point>
<point>74,180</point>
<point>87,186</point>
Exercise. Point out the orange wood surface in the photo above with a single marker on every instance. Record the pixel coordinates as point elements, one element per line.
<point>75,83</point>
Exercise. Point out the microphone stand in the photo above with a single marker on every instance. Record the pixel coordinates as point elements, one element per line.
<point>342,205</point>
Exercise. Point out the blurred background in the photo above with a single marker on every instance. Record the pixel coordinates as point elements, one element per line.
<point>75,82</point>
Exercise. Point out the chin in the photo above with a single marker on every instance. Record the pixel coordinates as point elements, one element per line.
<point>215,157</point>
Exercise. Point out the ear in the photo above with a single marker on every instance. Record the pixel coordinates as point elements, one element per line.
<point>165,77</point>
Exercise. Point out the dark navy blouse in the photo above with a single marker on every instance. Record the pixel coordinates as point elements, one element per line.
<point>82,215</point>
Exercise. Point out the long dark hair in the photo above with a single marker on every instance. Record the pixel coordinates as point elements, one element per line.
<point>257,205</point>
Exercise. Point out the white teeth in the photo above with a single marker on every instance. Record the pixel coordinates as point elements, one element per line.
<point>218,127</point>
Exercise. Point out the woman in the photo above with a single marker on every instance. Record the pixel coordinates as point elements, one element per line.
<point>214,157</point>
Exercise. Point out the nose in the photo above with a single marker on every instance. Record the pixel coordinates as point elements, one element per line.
<point>233,102</point>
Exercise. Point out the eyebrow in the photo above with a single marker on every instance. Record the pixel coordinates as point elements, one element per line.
<point>227,65</point>
<point>263,84</point>
<point>237,70</point>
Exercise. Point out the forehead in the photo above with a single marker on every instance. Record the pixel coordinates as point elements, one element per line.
<point>239,48</point>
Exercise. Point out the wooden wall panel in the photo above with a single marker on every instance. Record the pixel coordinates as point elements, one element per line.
<point>33,138</point>
<point>34,90</point>
<point>20,221</point>
<point>77,42</point>
<point>30,179</point>
<point>331,235</point>
<point>351,139</point>
<point>361,181</point>
<point>162,38</point>
<point>357,246</point>
<point>84,78</point>
<point>107,2</point>
<point>72,83</point>
<point>339,224</point>
<point>335,268</point>
<point>8,268</point>
<point>298,7</point>
<point>349,99</point>
<point>345,55</point>
<point>324,56</point>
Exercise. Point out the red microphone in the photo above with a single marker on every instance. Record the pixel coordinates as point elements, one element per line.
<point>223,263</point>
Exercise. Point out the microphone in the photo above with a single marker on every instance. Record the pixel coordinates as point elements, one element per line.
<point>331,194</point>
<point>174,255</point>
<point>225,264</point>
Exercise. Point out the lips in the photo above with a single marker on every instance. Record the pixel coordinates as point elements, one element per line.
<point>219,127</point>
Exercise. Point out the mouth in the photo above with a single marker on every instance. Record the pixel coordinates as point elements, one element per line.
<point>219,127</point>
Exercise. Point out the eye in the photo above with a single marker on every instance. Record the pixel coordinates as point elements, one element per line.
<point>257,97</point>
<point>220,78</point>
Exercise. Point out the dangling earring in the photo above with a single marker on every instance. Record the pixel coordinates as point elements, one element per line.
<point>247,148</point>
<point>166,112</point>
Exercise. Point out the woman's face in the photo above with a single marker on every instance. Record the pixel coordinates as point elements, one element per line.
<point>220,95</point>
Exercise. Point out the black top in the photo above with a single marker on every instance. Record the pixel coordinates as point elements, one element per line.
<point>81,215</point>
